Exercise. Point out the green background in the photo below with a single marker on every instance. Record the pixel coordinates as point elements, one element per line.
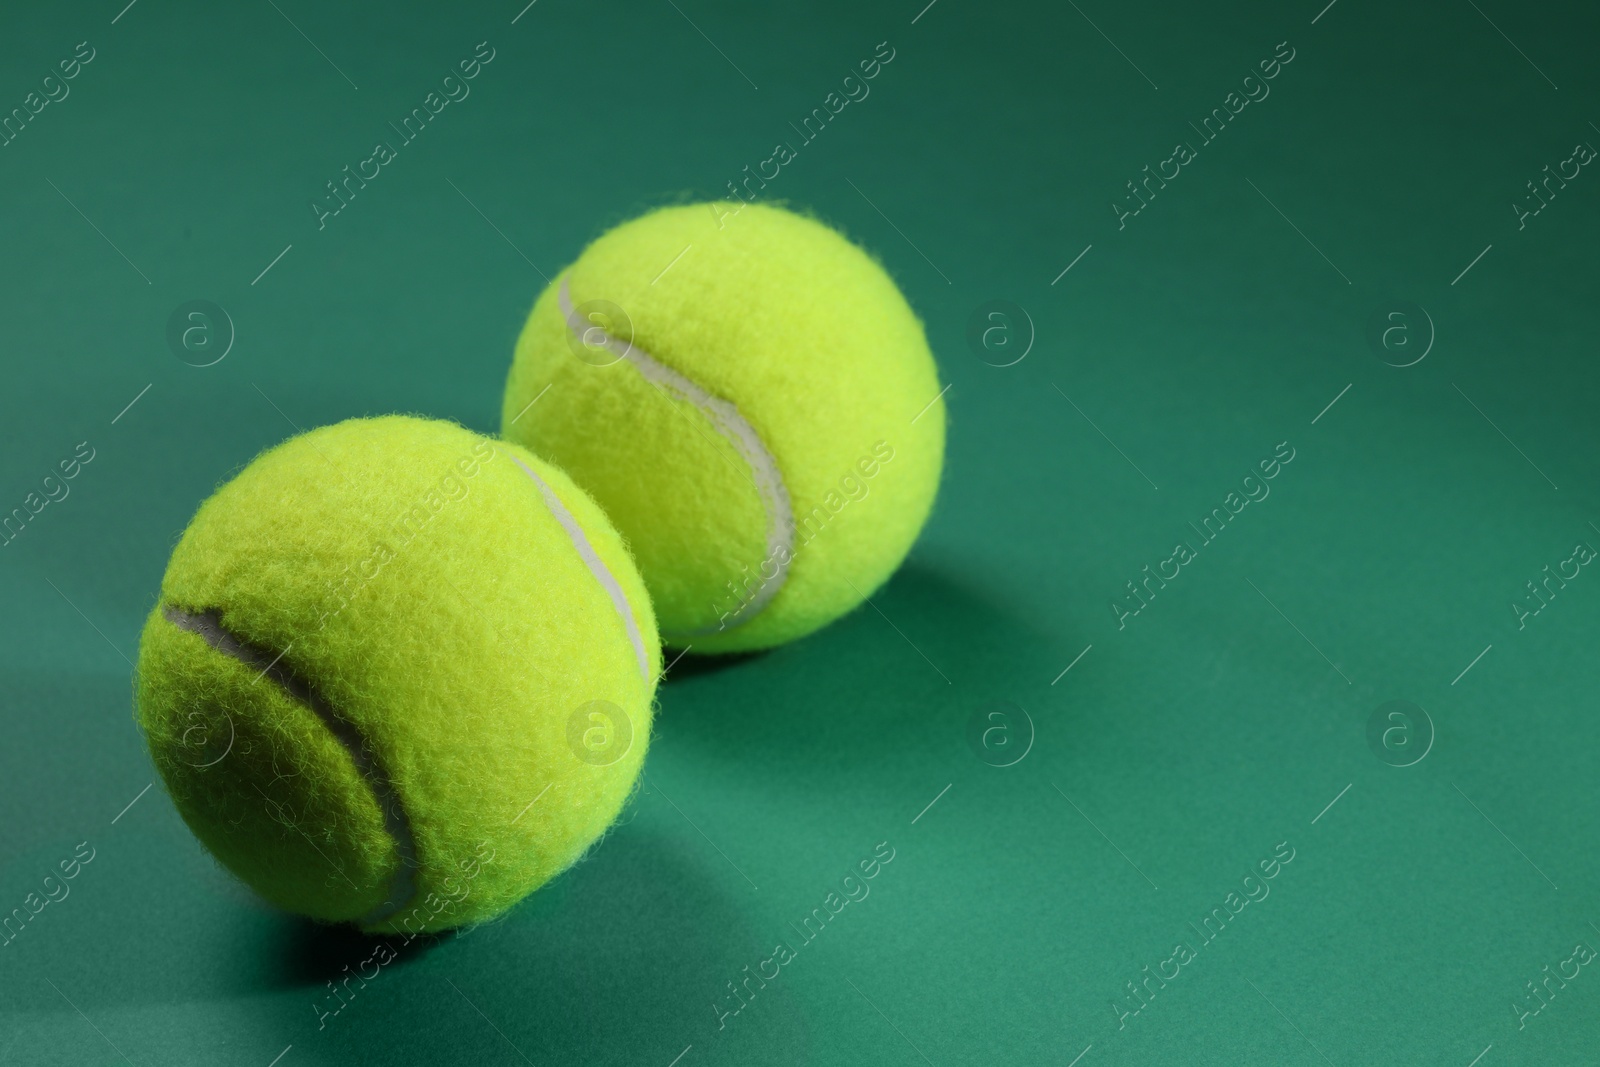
<point>1177,751</point>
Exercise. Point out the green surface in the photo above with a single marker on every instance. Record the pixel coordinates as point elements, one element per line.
<point>1178,752</point>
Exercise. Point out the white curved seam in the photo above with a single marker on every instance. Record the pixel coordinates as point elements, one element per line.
<point>737,431</point>
<point>596,565</point>
<point>207,625</point>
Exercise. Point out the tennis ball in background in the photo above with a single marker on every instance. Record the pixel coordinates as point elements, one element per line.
<point>399,675</point>
<point>751,400</point>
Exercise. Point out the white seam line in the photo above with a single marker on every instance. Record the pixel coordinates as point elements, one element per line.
<point>207,625</point>
<point>596,565</point>
<point>737,431</point>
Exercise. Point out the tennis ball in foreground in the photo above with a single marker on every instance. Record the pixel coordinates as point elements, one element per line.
<point>752,402</point>
<point>399,675</point>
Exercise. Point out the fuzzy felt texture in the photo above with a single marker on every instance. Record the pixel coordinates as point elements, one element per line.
<point>808,337</point>
<point>410,575</point>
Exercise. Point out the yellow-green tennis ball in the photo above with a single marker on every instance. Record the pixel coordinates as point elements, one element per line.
<point>399,675</point>
<point>752,401</point>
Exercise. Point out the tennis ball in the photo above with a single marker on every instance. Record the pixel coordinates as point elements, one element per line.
<point>399,675</point>
<point>752,401</point>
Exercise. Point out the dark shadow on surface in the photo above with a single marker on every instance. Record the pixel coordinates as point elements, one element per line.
<point>694,665</point>
<point>316,953</point>
<point>893,681</point>
<point>616,961</point>
<point>620,958</point>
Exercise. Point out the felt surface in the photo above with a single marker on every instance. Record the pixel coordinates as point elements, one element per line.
<point>1196,339</point>
<point>810,340</point>
<point>407,575</point>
